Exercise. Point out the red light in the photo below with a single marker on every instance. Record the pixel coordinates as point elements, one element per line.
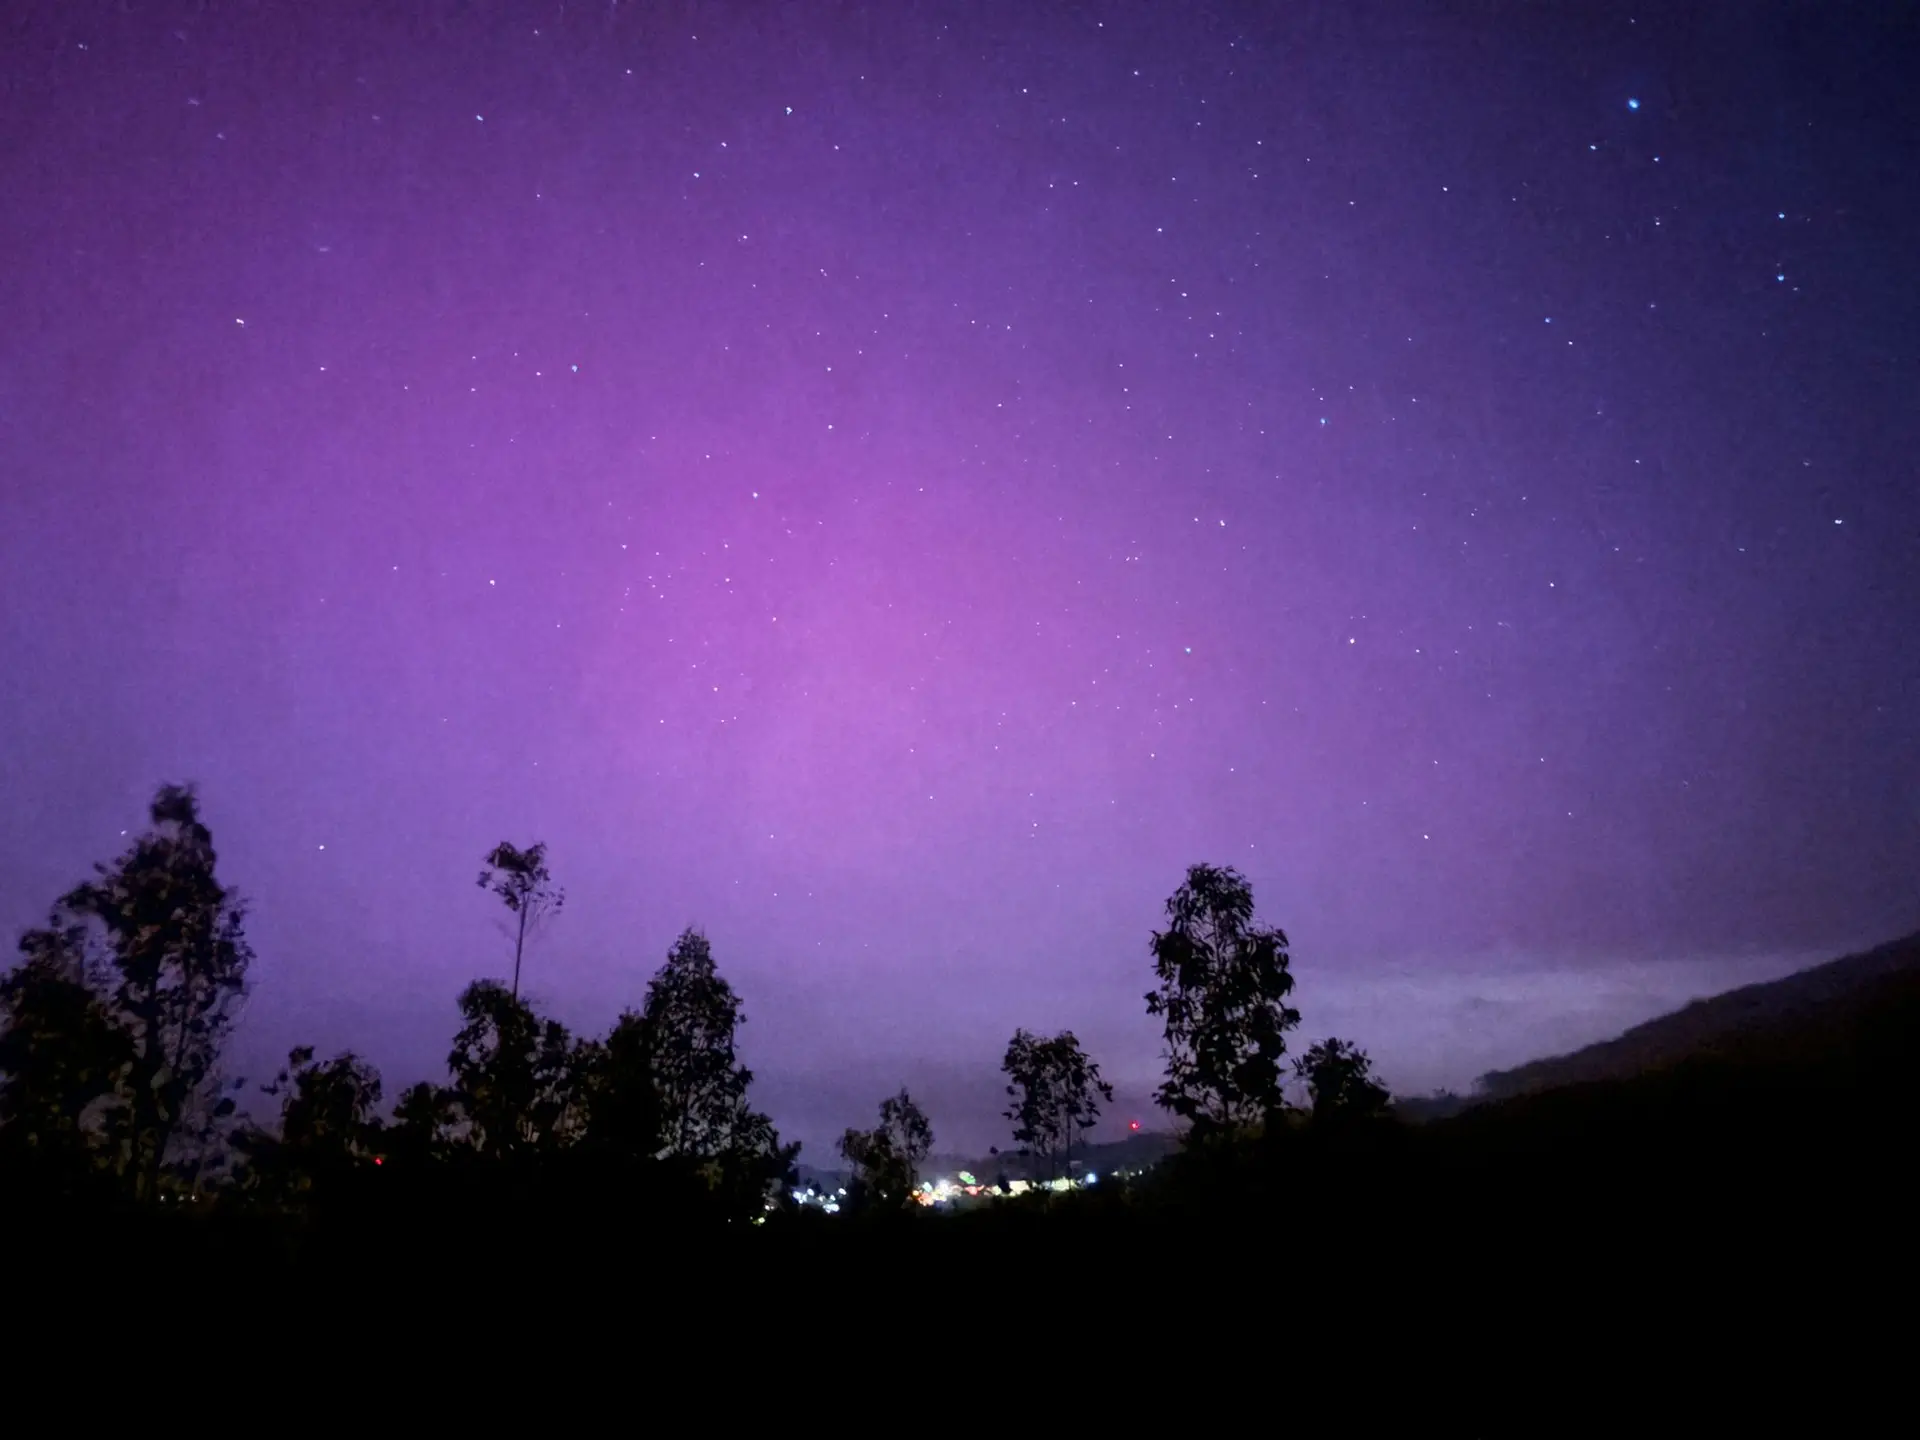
<point>381,1159</point>
<point>1133,1125</point>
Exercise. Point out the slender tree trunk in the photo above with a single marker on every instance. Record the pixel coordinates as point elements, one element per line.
<point>519,944</point>
<point>147,1140</point>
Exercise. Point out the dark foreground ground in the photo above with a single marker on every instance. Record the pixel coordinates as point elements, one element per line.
<point>1765,1194</point>
<point>1514,1217</point>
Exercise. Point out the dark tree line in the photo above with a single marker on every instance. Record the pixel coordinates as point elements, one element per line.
<point>114,1021</point>
<point>660,1100</point>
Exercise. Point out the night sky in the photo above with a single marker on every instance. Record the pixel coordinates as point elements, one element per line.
<point>894,486</point>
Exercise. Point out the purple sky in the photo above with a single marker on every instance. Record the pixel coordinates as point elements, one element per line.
<point>893,487</point>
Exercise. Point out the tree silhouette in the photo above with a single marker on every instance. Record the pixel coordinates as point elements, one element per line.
<point>62,1060</point>
<point>330,1105</point>
<point>1340,1081</point>
<point>661,1101</point>
<point>624,1116</point>
<point>521,879</point>
<point>855,1146</point>
<point>513,1075</point>
<point>908,1132</point>
<point>755,1172</point>
<point>426,1125</point>
<point>689,1020</point>
<point>1222,996</point>
<point>329,1125</point>
<point>1035,1120</point>
<point>886,1160</point>
<point>1056,1092</point>
<point>691,1014</point>
<point>176,969</point>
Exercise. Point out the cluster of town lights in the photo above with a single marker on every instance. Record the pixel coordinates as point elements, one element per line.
<point>944,1191</point>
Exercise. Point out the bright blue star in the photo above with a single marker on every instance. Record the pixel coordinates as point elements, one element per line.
<point>1633,104</point>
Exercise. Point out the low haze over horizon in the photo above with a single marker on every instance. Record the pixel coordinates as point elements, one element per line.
<point>894,486</point>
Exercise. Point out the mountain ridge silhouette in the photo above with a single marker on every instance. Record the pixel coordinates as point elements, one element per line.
<point>1774,1016</point>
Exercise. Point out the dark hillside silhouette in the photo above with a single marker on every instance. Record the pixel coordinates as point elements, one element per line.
<point>1797,1101</point>
<point>1744,1022</point>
